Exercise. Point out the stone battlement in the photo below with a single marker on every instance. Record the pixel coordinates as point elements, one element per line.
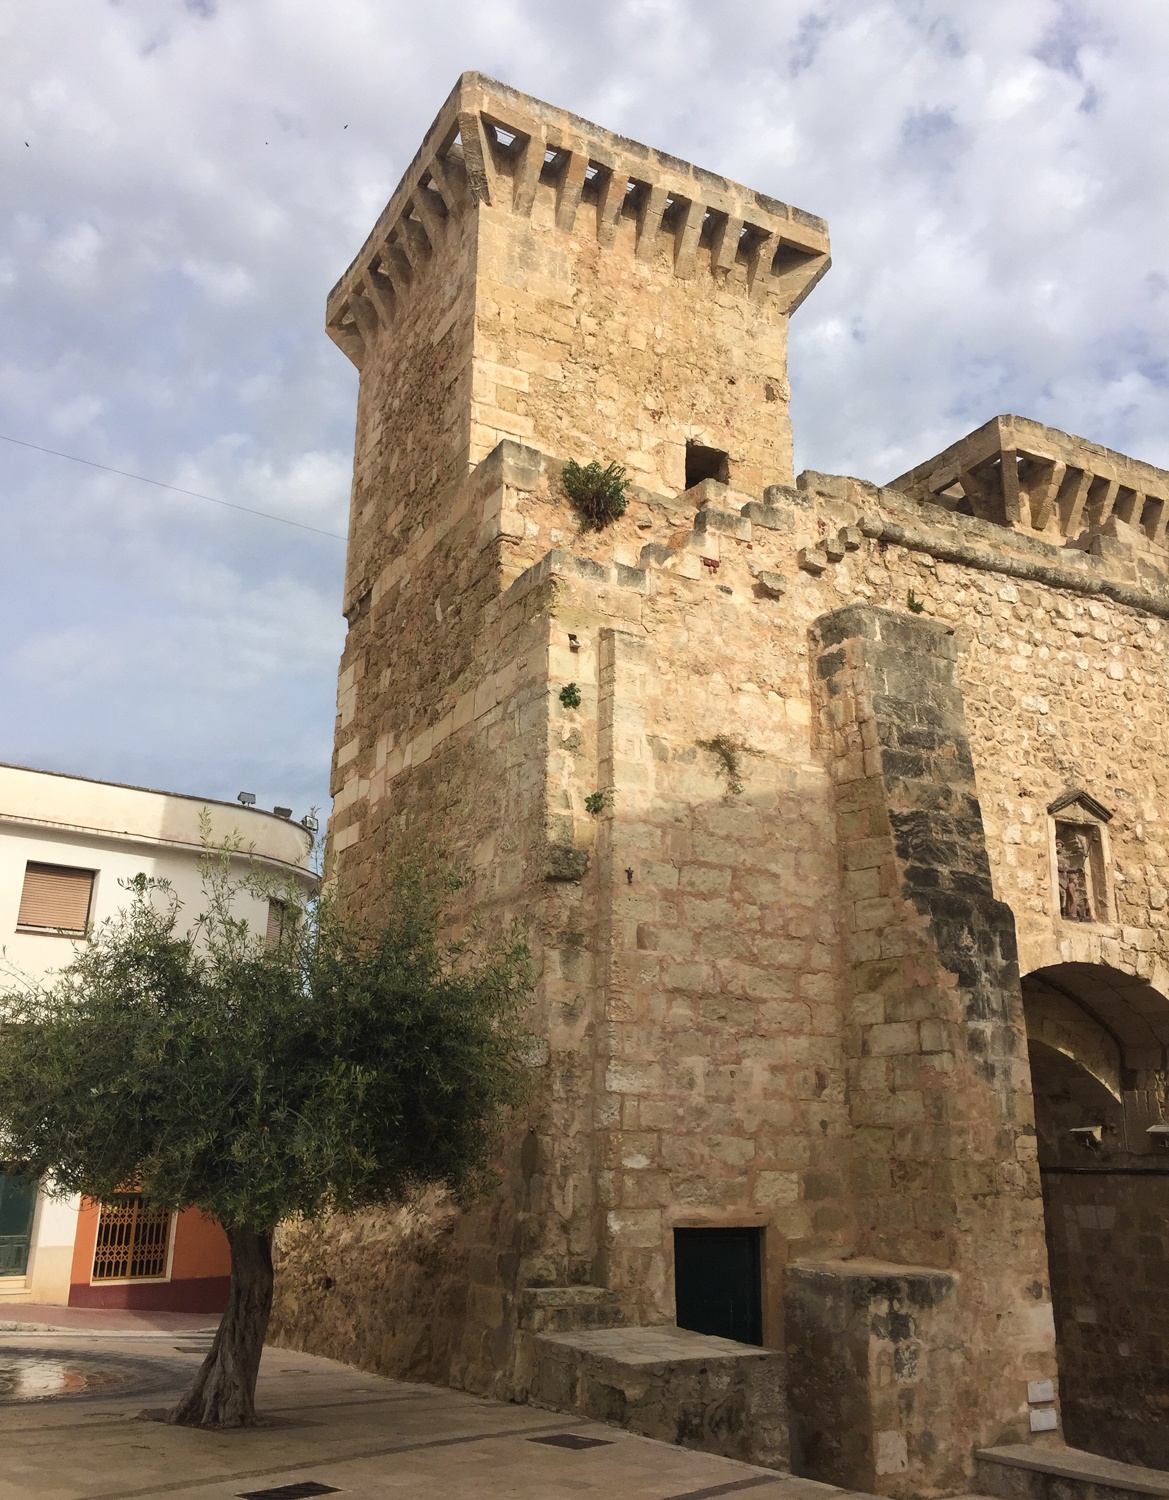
<point>1025,475</point>
<point>490,144</point>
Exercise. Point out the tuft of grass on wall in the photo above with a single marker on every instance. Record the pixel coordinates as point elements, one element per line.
<point>598,495</point>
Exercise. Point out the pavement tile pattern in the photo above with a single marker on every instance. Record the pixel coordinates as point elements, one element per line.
<point>326,1428</point>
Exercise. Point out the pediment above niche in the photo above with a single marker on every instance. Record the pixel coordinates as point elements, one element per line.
<point>1074,797</point>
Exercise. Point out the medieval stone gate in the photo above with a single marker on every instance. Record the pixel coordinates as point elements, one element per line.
<point>841,761</point>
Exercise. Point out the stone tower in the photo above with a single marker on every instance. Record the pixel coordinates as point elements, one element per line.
<point>834,761</point>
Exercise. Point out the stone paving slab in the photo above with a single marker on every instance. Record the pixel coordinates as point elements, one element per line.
<point>48,1317</point>
<point>655,1346</point>
<point>368,1436</point>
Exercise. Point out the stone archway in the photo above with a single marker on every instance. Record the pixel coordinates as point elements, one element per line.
<point>1098,1041</point>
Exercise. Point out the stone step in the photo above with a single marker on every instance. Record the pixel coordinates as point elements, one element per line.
<point>667,1383</point>
<point>1019,1471</point>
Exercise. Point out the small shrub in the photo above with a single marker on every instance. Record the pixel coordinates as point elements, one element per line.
<point>729,753</point>
<point>915,604</point>
<point>570,695</point>
<point>597,495</point>
<point>595,802</point>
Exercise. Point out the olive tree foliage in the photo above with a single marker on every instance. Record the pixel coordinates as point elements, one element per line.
<point>349,1064</point>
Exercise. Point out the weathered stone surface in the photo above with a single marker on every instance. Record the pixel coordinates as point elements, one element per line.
<point>781,988</point>
<point>1017,1471</point>
<point>1021,474</point>
<point>666,1383</point>
<point>774,585</point>
<point>729,523</point>
<point>934,1021</point>
<point>773,517</point>
<point>874,1357</point>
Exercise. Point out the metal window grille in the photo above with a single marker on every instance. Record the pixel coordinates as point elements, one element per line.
<point>132,1240</point>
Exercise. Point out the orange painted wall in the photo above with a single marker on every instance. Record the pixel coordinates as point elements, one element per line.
<point>85,1241</point>
<point>201,1254</point>
<point>201,1247</point>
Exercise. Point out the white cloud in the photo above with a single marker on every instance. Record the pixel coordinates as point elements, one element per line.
<point>991,174</point>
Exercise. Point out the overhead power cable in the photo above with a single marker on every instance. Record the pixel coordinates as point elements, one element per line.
<point>248,510</point>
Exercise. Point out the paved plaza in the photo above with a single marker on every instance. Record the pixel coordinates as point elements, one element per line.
<point>71,1429</point>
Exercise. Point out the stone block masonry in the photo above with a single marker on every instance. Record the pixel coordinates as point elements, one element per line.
<point>666,1383</point>
<point>876,1356</point>
<point>945,1169</point>
<point>624,301</point>
<point>785,851</point>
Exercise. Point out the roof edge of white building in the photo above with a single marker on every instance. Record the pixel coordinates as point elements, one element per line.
<point>56,801</point>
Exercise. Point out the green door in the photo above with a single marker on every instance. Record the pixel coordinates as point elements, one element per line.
<point>718,1282</point>
<point>18,1198</point>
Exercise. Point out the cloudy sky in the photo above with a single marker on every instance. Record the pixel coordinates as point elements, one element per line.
<point>183,182</point>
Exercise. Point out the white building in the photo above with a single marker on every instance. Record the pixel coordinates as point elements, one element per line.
<point>65,844</point>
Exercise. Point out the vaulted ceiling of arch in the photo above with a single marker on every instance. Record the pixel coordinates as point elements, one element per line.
<point>1126,1007</point>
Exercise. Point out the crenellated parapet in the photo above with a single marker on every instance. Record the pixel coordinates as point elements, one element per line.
<point>1025,475</point>
<point>493,146</point>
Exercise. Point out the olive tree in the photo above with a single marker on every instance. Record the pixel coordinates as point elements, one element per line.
<point>345,1066</point>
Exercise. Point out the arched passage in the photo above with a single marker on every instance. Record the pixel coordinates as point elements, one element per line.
<point>1098,1041</point>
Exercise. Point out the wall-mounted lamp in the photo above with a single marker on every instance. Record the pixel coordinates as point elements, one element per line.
<point>1090,1136</point>
<point>248,799</point>
<point>1158,1134</point>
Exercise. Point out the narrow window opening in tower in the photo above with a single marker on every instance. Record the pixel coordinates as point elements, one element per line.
<point>706,463</point>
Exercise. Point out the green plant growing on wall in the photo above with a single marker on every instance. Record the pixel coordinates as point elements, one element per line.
<point>915,604</point>
<point>595,802</point>
<point>730,754</point>
<point>570,695</point>
<point>597,495</point>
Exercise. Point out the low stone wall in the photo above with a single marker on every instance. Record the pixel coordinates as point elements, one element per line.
<point>384,1290</point>
<point>666,1383</point>
<point>1019,1471</point>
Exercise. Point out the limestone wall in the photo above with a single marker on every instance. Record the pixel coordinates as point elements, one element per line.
<point>588,351</point>
<point>625,302</point>
<point>776,979</point>
<point>1110,1271</point>
<point>690,935</point>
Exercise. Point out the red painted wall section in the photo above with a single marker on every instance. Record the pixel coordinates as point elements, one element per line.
<point>200,1269</point>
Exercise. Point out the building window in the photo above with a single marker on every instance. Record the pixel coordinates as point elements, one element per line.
<point>1079,865</point>
<point>18,1200</point>
<point>56,898</point>
<point>278,923</point>
<point>706,463</point>
<point>132,1241</point>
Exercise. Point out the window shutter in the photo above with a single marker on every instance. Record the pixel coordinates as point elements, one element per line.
<point>56,898</point>
<point>275,924</point>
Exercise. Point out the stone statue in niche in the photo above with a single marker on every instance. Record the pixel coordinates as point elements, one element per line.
<point>1073,856</point>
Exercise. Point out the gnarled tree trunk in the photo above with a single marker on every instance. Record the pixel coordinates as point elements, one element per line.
<point>224,1393</point>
